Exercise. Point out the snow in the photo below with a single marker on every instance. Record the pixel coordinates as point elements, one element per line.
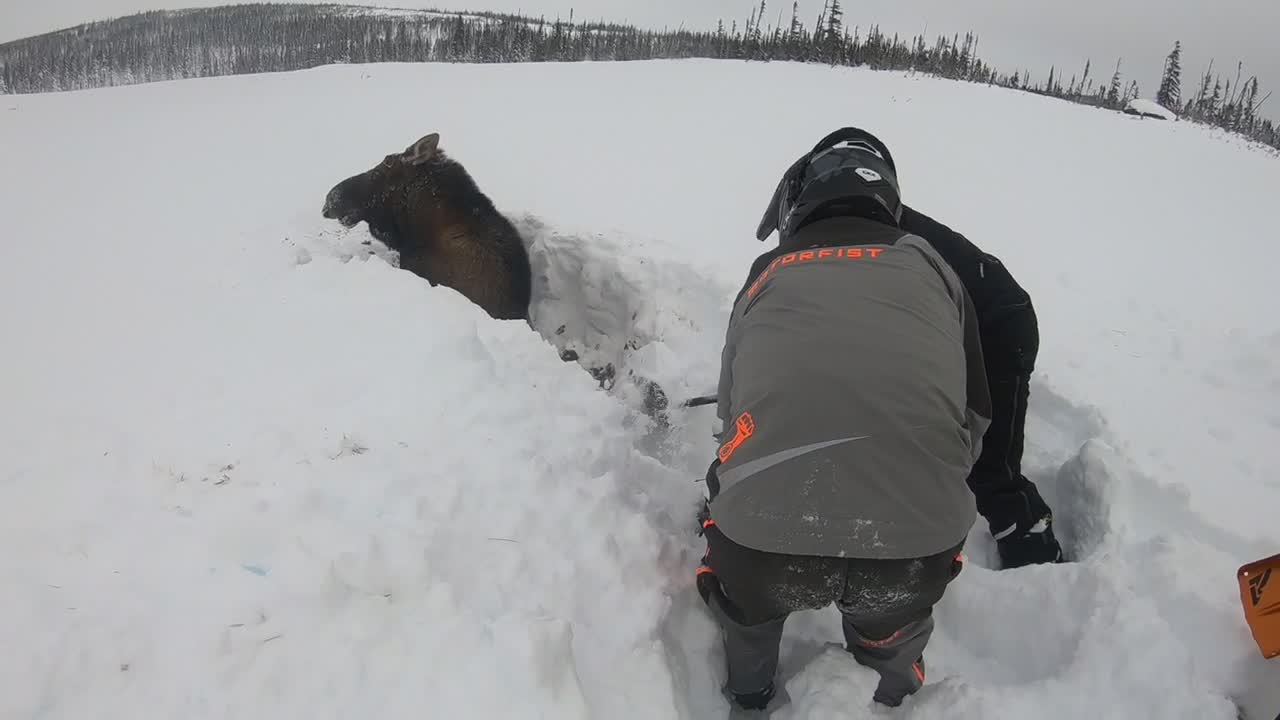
<point>250,469</point>
<point>1145,108</point>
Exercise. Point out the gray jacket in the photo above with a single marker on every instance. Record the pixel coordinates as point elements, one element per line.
<point>853,399</point>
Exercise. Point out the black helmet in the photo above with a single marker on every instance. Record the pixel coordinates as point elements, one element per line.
<point>849,172</point>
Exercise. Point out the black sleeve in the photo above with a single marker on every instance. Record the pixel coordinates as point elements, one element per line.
<point>978,405</point>
<point>963,256</point>
<point>978,391</point>
<point>1000,304</point>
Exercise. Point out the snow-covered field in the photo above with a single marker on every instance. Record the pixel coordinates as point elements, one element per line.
<point>249,469</point>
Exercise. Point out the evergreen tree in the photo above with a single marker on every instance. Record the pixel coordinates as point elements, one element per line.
<point>1247,108</point>
<point>834,31</point>
<point>1202,95</point>
<point>1113,90</point>
<point>1131,93</point>
<point>1223,116</point>
<point>1170,94</point>
<point>796,37</point>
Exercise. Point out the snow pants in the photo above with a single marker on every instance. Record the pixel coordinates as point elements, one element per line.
<point>886,608</point>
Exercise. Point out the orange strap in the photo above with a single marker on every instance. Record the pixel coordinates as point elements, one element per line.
<point>879,643</point>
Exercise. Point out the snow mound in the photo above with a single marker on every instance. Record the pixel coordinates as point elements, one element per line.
<point>613,305</point>
<point>354,493</point>
<point>1149,109</point>
<point>601,301</point>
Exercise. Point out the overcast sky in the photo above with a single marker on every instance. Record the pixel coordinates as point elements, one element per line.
<point>1029,34</point>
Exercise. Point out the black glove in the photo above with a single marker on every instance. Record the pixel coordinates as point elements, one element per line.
<point>713,481</point>
<point>706,579</point>
<point>707,584</point>
<point>1033,546</point>
<point>712,592</point>
<point>1022,525</point>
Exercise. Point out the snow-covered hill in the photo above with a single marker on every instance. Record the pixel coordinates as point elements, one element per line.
<point>250,469</point>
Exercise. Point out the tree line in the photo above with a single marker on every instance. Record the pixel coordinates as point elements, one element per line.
<point>244,39</point>
<point>1233,106</point>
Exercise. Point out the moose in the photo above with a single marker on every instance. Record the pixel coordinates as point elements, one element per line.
<point>425,206</point>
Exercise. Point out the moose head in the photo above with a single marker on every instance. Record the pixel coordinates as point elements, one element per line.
<point>427,208</point>
<point>374,195</point>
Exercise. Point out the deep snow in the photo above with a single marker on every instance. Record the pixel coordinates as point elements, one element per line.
<point>250,469</point>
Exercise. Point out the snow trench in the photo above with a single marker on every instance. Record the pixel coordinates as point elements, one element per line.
<point>1007,643</point>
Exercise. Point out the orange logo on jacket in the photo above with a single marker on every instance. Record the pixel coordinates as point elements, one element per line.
<point>746,428</point>
<point>853,253</point>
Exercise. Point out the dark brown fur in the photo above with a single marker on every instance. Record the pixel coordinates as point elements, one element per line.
<point>426,207</point>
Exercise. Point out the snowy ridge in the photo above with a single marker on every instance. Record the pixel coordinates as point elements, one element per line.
<point>388,12</point>
<point>252,469</point>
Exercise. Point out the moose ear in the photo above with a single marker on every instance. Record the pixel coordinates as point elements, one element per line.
<point>423,150</point>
